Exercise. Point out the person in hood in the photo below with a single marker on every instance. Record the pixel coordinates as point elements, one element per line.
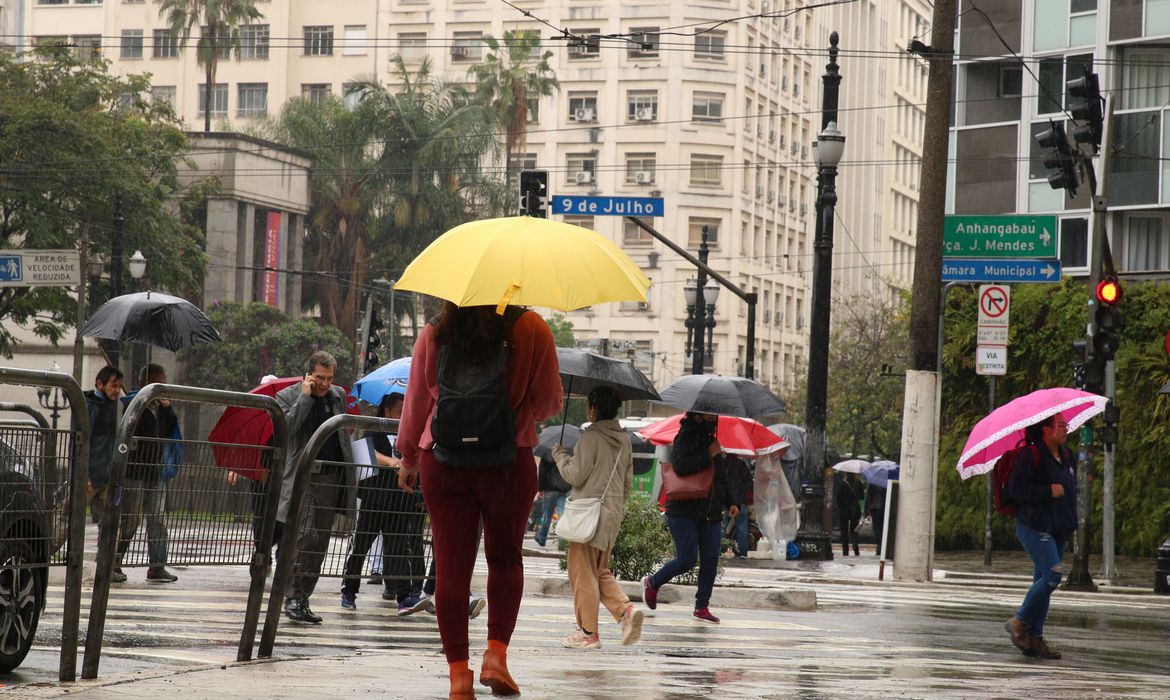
<point>694,522</point>
<point>602,466</point>
<point>102,403</point>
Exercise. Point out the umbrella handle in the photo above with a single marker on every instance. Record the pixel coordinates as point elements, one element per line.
<point>564,415</point>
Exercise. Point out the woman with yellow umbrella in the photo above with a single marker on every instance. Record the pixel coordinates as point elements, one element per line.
<point>483,364</point>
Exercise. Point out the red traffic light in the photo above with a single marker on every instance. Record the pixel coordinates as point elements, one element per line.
<point>1108,291</point>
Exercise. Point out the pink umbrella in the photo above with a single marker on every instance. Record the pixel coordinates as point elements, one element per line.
<point>1003,428</point>
<point>741,436</point>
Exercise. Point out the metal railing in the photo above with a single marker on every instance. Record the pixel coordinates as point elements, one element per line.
<point>44,472</point>
<point>209,523</point>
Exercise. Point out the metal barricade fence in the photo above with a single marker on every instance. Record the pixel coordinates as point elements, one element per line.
<point>309,550</point>
<point>212,520</point>
<point>43,477</point>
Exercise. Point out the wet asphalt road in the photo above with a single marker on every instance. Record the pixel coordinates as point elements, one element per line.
<point>865,640</point>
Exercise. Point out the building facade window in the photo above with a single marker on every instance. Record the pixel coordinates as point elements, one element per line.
<point>644,43</point>
<point>351,95</point>
<point>355,40</point>
<point>254,42</point>
<point>131,44</point>
<point>316,92</point>
<point>318,40</point>
<point>695,226</point>
<point>581,169</point>
<point>468,46</point>
<point>632,234</point>
<point>640,168</point>
<point>707,107</point>
<point>412,46</point>
<point>252,99</point>
<point>219,99</point>
<point>166,44</point>
<point>582,221</point>
<point>1074,242</point>
<point>589,47</point>
<point>1145,243</point>
<point>223,47</point>
<point>706,171</point>
<point>532,116</point>
<point>710,46</point>
<point>524,161</point>
<point>164,94</point>
<point>583,106</point>
<point>88,47</point>
<point>642,105</point>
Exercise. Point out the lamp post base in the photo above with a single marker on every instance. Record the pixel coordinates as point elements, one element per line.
<point>812,540</point>
<point>816,547</point>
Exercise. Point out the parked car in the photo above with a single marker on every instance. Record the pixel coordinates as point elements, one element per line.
<point>24,555</point>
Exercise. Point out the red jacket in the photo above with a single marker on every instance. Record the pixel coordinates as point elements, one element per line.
<point>534,386</point>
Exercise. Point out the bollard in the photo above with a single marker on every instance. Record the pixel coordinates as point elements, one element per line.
<point>1162,569</point>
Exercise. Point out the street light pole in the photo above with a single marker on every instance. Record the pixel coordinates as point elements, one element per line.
<point>812,538</point>
<point>116,267</point>
<point>698,359</point>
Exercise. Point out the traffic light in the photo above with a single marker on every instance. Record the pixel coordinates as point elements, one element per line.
<point>534,193</point>
<point>1088,372</point>
<point>1085,105</point>
<point>1061,162</point>
<point>1108,318</point>
<point>1107,433</point>
<point>369,357</point>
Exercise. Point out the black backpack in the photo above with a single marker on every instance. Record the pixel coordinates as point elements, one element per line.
<point>474,424</point>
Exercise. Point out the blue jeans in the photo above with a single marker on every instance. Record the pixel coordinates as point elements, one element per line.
<point>552,500</point>
<point>1046,552</point>
<point>739,532</point>
<point>693,539</point>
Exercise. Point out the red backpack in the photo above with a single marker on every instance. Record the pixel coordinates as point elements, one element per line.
<point>1001,474</point>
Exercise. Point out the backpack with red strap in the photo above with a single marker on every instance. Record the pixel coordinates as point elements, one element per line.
<point>1001,474</point>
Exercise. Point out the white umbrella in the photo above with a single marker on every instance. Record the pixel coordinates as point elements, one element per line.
<point>853,466</point>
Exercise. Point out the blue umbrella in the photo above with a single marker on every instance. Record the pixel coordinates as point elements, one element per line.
<point>389,378</point>
<point>879,473</point>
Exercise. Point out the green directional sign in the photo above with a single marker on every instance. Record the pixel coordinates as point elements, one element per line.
<point>999,237</point>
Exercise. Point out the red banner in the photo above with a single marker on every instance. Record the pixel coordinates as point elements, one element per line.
<point>274,236</point>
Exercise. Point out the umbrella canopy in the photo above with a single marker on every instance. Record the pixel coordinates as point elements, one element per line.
<point>725,396</point>
<point>794,436</point>
<point>582,371</point>
<point>524,261</point>
<point>153,318</point>
<point>741,436</point>
<point>1003,428</point>
<point>250,426</point>
<point>389,378</point>
<point>567,435</point>
<point>852,466</point>
<point>880,473</point>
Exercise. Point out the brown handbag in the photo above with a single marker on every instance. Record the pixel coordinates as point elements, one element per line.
<point>687,488</point>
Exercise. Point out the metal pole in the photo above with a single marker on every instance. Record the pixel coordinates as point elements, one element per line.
<point>699,355</point>
<point>116,267</point>
<point>82,289</point>
<point>1108,534</point>
<point>749,365</point>
<point>812,538</point>
<point>987,502</point>
<point>393,326</point>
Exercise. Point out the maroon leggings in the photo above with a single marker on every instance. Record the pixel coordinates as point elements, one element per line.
<point>457,497</point>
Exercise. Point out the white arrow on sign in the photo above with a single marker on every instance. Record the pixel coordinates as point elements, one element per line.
<point>1049,271</point>
<point>1045,236</point>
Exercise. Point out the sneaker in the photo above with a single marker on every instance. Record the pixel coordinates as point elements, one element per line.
<point>297,609</point>
<point>1040,648</point>
<point>631,626</point>
<point>580,640</point>
<point>411,604</point>
<point>159,574</point>
<point>430,608</point>
<point>474,607</point>
<point>118,576</point>
<point>649,594</point>
<point>348,600</point>
<point>705,615</point>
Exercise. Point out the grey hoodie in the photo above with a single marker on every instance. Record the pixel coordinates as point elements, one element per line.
<point>603,444</point>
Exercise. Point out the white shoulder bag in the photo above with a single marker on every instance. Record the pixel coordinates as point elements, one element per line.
<point>579,521</point>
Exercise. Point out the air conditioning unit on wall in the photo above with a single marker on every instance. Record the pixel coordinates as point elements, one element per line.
<point>584,177</point>
<point>583,114</point>
<point>643,177</point>
<point>644,114</point>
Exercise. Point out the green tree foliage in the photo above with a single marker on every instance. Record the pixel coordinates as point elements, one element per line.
<point>562,330</point>
<point>1045,319</point>
<point>258,340</point>
<point>513,73</point>
<point>219,22</point>
<point>73,141</point>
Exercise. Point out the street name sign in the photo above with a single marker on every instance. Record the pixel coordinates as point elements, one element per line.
<point>991,360</point>
<point>608,206</point>
<point>990,270</point>
<point>999,237</point>
<point>994,305</point>
<point>39,268</point>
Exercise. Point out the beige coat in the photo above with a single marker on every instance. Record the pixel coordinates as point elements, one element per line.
<point>601,445</point>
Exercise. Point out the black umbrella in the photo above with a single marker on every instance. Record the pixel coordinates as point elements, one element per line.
<point>582,371</point>
<point>567,435</point>
<point>150,317</point>
<point>724,396</point>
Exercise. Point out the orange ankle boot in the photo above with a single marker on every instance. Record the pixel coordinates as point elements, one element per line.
<point>494,674</point>
<point>462,685</point>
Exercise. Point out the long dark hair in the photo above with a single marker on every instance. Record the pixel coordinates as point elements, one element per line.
<point>689,449</point>
<point>1034,434</point>
<point>472,330</point>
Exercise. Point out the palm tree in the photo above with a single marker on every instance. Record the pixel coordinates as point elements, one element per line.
<point>220,20</point>
<point>509,79</point>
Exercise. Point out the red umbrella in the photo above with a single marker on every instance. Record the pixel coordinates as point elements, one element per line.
<point>741,436</point>
<point>252,426</point>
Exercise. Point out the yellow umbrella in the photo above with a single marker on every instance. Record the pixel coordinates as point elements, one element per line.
<point>524,261</point>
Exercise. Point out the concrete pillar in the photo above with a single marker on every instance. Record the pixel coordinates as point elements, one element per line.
<point>222,248</point>
<point>918,484</point>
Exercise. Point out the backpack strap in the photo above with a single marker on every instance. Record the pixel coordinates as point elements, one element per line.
<point>613,471</point>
